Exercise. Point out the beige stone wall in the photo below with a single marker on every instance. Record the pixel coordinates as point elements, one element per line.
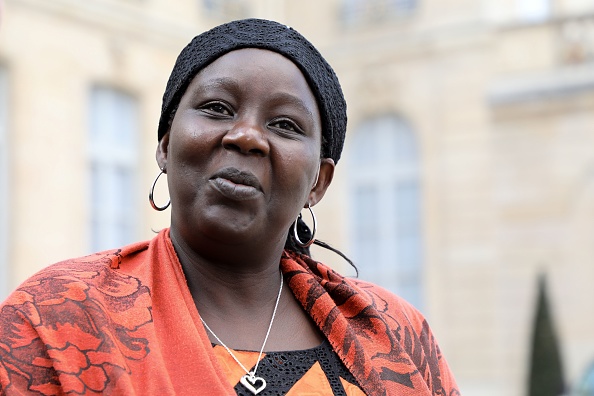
<point>55,53</point>
<point>503,111</point>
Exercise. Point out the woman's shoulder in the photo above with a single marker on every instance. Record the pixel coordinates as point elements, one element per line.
<point>387,301</point>
<point>83,310</point>
<point>332,279</point>
<point>76,276</point>
<point>395,335</point>
<point>85,292</point>
<point>383,300</point>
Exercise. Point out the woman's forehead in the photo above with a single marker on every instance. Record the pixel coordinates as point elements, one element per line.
<point>246,59</point>
<point>240,69</point>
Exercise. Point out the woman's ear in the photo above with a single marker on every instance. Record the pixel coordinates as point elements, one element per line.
<point>324,179</point>
<point>163,151</point>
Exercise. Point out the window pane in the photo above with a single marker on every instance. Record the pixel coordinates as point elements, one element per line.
<point>113,152</point>
<point>407,207</point>
<point>386,206</point>
<point>365,230</point>
<point>125,182</point>
<point>405,149</point>
<point>365,210</point>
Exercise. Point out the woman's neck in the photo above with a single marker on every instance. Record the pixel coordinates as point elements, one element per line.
<point>236,299</point>
<point>238,277</point>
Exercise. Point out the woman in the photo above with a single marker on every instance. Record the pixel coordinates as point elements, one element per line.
<point>226,301</point>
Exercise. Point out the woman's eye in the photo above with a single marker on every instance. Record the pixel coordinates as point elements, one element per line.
<point>217,108</point>
<point>286,125</point>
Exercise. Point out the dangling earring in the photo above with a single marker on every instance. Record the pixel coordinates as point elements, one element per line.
<point>313,232</point>
<point>152,190</point>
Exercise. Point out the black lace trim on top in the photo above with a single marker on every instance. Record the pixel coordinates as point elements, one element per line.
<point>282,370</point>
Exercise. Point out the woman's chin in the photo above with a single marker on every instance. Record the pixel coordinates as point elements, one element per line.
<point>230,234</point>
<point>231,231</point>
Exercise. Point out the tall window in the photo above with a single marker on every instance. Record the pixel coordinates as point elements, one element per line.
<point>4,198</point>
<point>386,226</point>
<point>113,168</point>
<point>533,10</point>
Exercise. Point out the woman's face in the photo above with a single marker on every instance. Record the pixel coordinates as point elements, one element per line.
<point>243,151</point>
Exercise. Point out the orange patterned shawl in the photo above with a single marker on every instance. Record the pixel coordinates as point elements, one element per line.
<point>124,322</point>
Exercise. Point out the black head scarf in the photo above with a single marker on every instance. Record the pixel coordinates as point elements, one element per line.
<point>269,35</point>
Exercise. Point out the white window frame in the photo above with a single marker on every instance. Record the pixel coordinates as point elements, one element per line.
<point>113,147</point>
<point>392,160</point>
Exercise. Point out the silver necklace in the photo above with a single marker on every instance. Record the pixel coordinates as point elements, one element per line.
<point>252,382</point>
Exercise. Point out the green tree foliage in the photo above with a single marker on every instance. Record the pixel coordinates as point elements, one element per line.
<point>546,371</point>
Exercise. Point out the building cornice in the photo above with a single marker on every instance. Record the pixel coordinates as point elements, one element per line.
<point>532,86</point>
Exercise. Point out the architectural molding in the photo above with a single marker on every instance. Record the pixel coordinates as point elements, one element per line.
<point>532,87</point>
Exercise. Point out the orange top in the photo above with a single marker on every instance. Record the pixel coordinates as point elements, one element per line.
<point>124,322</point>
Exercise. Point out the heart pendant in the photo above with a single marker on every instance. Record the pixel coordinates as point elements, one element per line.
<point>253,384</point>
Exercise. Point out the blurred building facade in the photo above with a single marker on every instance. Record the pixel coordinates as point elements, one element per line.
<point>468,168</point>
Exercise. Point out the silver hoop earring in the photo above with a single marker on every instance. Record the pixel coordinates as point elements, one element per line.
<point>152,190</point>
<point>313,232</point>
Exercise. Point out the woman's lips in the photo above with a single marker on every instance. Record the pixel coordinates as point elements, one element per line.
<point>236,185</point>
<point>237,192</point>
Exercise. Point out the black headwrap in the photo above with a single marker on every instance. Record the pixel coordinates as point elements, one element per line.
<point>264,34</point>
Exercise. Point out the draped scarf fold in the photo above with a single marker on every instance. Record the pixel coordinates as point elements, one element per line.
<point>385,342</point>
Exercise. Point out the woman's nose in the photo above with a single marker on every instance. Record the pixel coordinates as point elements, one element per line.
<point>247,139</point>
